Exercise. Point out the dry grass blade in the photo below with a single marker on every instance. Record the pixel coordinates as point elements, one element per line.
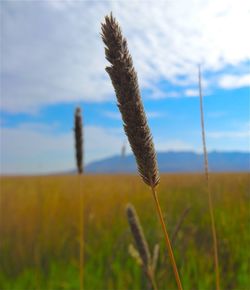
<point>124,80</point>
<point>78,140</point>
<point>135,254</point>
<point>210,201</point>
<point>141,244</point>
<point>138,235</point>
<point>155,257</point>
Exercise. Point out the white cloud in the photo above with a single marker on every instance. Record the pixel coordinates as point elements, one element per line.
<point>229,134</point>
<point>234,81</point>
<point>154,114</point>
<point>173,145</point>
<point>216,114</point>
<point>52,51</point>
<point>236,138</point>
<point>112,115</point>
<point>228,141</point>
<point>238,131</point>
<point>30,151</point>
<point>117,115</point>
<point>158,94</point>
<point>36,148</point>
<point>102,142</point>
<point>60,4</point>
<point>191,93</point>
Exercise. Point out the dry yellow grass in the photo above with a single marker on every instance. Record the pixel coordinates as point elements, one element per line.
<point>42,213</point>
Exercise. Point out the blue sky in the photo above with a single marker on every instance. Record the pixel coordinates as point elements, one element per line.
<point>52,60</point>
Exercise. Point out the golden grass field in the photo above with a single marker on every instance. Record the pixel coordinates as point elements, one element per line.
<point>39,226</point>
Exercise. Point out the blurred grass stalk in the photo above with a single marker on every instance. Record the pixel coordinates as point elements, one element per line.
<point>210,200</point>
<point>142,246</point>
<point>78,129</point>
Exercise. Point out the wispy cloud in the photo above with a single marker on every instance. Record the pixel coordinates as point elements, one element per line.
<point>173,145</point>
<point>52,51</point>
<point>158,94</point>
<point>234,81</point>
<point>216,114</point>
<point>191,93</point>
<point>36,148</point>
<point>117,115</point>
<point>155,114</point>
<point>238,130</point>
<point>112,115</point>
<point>229,134</point>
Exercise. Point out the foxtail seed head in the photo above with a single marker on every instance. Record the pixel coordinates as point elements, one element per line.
<point>125,83</point>
<point>78,140</point>
<point>138,235</point>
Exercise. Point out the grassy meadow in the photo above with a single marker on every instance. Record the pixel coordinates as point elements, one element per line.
<point>39,227</point>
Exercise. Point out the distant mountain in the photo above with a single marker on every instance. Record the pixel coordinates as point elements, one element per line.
<point>176,162</point>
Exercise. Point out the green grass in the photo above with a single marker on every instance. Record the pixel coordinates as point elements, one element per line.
<point>39,244</point>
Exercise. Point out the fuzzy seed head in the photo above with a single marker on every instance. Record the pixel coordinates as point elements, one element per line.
<point>125,83</point>
<point>138,235</point>
<point>78,140</point>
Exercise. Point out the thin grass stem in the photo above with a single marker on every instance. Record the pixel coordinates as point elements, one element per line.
<point>151,278</point>
<point>168,243</point>
<point>210,200</point>
<point>78,129</point>
<point>81,224</point>
<point>179,224</point>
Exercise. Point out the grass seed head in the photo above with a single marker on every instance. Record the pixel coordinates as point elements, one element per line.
<point>138,235</point>
<point>78,140</point>
<point>125,83</point>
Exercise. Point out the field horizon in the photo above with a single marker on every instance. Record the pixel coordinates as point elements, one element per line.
<point>176,162</point>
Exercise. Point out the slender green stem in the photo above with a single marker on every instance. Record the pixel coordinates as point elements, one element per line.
<point>168,243</point>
